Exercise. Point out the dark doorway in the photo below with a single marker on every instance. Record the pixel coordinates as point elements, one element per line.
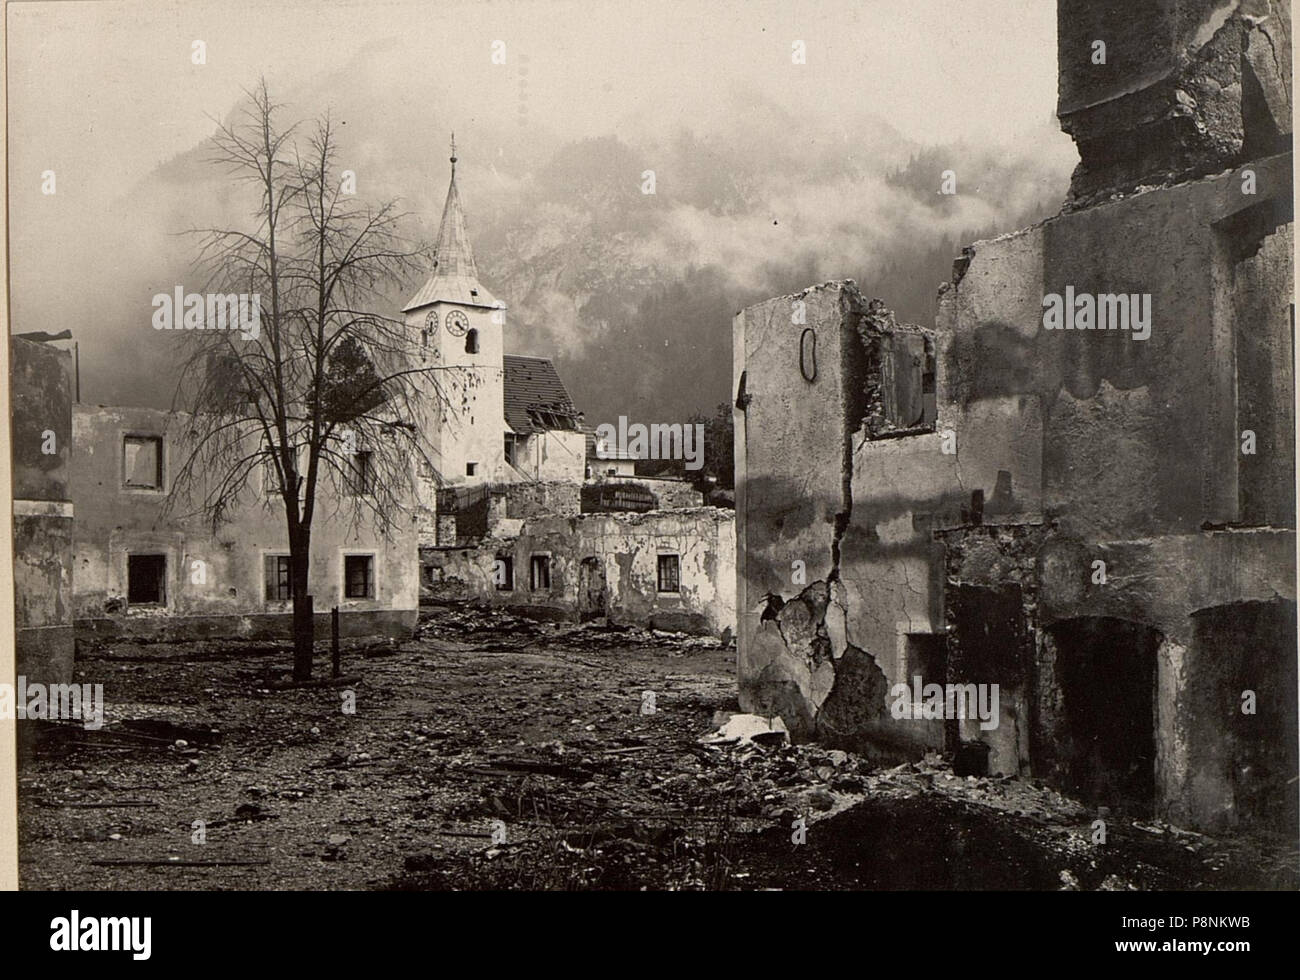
<point>1101,722</point>
<point>591,589</point>
<point>1240,700</point>
<point>926,657</point>
<point>988,644</point>
<point>146,580</point>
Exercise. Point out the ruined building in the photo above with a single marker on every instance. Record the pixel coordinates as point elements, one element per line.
<point>40,378</point>
<point>139,562</point>
<point>99,553</point>
<point>1079,485</point>
<point>507,519</point>
<point>666,569</point>
<point>98,557</point>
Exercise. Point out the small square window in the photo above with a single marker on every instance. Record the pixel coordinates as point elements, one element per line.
<point>279,577</point>
<point>670,573</point>
<point>146,580</point>
<point>907,382</point>
<point>142,462</point>
<point>471,469</point>
<point>901,378</point>
<point>503,573</point>
<point>359,576</point>
<point>539,573</point>
<point>271,479</point>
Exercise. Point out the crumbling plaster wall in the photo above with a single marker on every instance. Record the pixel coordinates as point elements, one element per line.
<point>1142,439</point>
<point>114,521</point>
<point>41,393</point>
<point>791,507</point>
<point>1183,88</point>
<point>627,547</point>
<point>553,455</point>
<point>859,513</point>
<point>1098,446</point>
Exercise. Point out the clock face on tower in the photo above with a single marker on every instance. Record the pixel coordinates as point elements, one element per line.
<point>431,322</point>
<point>457,323</point>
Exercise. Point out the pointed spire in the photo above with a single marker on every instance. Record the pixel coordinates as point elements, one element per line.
<point>453,255</point>
<point>455,276</point>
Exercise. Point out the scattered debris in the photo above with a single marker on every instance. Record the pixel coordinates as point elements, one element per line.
<point>291,685</point>
<point>493,628</point>
<point>176,862</point>
<point>450,736</point>
<point>93,806</point>
<point>745,729</point>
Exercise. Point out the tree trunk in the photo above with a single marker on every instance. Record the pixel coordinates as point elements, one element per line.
<point>303,615</point>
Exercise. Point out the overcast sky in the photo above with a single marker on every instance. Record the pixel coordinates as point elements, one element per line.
<point>106,90</point>
<point>104,93</point>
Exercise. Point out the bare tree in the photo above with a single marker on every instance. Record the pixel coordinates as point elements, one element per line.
<point>320,390</point>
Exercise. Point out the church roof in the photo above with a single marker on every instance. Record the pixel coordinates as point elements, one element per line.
<point>455,276</point>
<point>535,397</point>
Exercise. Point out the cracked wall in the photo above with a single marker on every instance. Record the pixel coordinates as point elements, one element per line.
<point>604,564</point>
<point>858,506</point>
<point>804,366</point>
<point>1139,456</point>
<point>1072,478</point>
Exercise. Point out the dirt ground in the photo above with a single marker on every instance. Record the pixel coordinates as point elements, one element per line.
<point>495,753</point>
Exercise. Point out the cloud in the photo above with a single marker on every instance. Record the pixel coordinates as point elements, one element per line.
<point>765,182</point>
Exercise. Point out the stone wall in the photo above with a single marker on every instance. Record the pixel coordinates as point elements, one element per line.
<point>671,494</point>
<point>41,394</point>
<point>604,566</point>
<point>1159,92</point>
<point>523,501</point>
<point>1096,521</point>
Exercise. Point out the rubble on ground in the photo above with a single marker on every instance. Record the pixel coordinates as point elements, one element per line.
<point>492,627</point>
<point>472,763</point>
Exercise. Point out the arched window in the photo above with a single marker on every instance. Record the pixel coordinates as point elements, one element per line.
<point>471,342</point>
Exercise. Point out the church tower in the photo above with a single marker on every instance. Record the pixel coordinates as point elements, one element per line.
<point>459,327</point>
